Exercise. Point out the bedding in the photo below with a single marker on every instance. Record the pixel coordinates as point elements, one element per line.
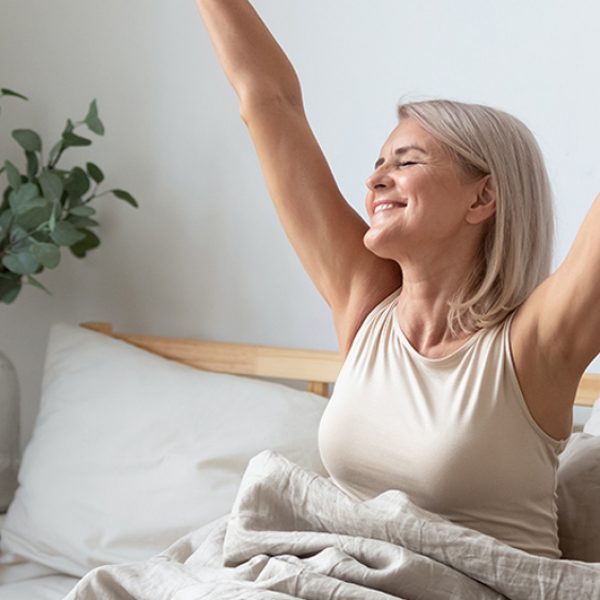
<point>130,450</point>
<point>292,533</point>
<point>578,498</point>
<point>48,587</point>
<point>21,579</point>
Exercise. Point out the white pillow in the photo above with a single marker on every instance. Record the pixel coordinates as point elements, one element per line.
<point>131,451</point>
<point>592,425</point>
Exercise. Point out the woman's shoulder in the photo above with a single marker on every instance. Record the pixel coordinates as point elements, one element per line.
<point>365,311</point>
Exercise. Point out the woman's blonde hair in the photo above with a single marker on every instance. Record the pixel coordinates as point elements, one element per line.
<point>516,250</point>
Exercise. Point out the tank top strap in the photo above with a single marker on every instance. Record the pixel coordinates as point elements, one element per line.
<point>376,312</point>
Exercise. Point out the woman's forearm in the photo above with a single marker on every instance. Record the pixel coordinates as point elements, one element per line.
<point>253,61</point>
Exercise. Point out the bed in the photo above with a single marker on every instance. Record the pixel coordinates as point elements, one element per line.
<point>146,448</point>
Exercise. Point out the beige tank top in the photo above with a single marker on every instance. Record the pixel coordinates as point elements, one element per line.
<point>454,433</point>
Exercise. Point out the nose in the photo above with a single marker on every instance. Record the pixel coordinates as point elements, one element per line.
<point>378,179</point>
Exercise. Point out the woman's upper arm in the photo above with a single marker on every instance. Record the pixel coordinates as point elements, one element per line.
<point>569,316</point>
<point>324,230</point>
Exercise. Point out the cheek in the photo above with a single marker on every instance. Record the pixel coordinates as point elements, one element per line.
<point>427,184</point>
<point>368,199</point>
<point>417,178</point>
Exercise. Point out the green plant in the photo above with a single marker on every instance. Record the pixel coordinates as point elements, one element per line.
<point>46,207</point>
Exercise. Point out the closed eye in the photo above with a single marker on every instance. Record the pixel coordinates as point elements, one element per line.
<point>403,164</point>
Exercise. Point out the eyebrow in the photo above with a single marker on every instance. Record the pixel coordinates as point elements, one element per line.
<point>399,151</point>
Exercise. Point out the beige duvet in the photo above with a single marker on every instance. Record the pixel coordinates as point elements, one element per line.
<point>294,534</point>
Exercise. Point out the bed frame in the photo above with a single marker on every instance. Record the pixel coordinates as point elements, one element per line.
<point>316,368</point>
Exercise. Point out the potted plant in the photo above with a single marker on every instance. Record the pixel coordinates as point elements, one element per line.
<point>46,208</point>
<point>43,209</point>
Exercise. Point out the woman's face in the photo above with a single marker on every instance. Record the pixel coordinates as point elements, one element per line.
<point>431,198</point>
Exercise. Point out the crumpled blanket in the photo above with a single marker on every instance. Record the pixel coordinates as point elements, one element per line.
<point>294,534</point>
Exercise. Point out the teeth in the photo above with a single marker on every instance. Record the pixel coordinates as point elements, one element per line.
<point>381,207</point>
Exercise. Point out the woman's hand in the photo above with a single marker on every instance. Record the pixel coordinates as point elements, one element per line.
<point>253,61</point>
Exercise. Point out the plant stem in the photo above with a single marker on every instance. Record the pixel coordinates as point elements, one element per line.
<point>11,243</point>
<point>87,200</point>
<point>103,194</point>
<point>53,164</point>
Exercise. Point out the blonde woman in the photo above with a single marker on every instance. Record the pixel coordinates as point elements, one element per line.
<point>462,353</point>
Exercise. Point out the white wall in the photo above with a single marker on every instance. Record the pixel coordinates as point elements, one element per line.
<point>204,255</point>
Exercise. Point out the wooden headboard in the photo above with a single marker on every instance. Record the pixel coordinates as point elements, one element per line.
<point>315,367</point>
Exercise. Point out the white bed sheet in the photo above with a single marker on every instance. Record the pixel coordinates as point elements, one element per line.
<point>21,579</point>
<point>48,587</point>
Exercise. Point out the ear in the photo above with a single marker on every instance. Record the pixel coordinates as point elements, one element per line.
<point>485,204</point>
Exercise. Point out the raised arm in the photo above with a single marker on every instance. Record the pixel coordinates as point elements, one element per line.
<point>564,310</point>
<point>572,314</point>
<point>324,230</point>
<point>253,61</point>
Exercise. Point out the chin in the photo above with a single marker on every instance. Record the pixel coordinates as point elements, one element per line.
<point>377,244</point>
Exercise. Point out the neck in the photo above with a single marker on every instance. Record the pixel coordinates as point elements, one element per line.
<point>422,309</point>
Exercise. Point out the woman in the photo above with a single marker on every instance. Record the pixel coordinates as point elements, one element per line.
<point>462,355</point>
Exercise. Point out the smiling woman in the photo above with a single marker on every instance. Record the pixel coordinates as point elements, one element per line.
<point>455,387</point>
<point>503,161</point>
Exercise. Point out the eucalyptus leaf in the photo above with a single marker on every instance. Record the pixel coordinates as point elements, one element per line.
<point>92,110</point>
<point>5,223</point>
<point>83,211</point>
<point>28,139</point>
<point>7,92</point>
<point>78,182</point>
<point>4,204</point>
<point>65,234</point>
<point>95,125</point>
<point>35,217</point>
<point>83,221</point>
<point>90,241</point>
<point>72,139</point>
<point>123,195</point>
<point>32,164</point>
<point>17,233</point>
<point>95,173</point>
<point>92,120</point>
<point>33,281</point>
<point>26,198</point>
<point>9,287</point>
<point>68,127</point>
<point>52,185</point>
<point>22,262</point>
<point>14,177</point>
<point>46,254</point>
<point>41,235</point>
<point>75,201</point>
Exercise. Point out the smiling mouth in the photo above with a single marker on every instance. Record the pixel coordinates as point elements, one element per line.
<point>388,206</point>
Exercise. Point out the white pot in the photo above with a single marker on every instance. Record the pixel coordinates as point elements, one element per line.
<point>9,431</point>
